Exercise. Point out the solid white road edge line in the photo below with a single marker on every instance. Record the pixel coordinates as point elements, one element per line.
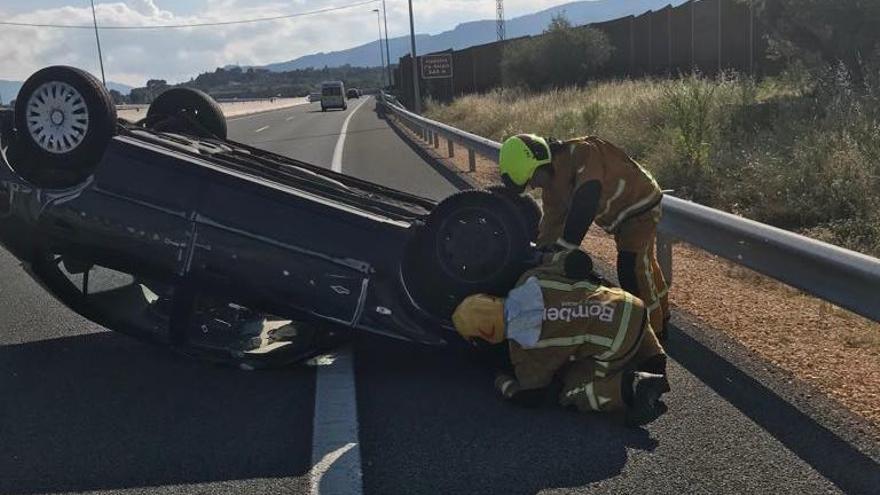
<point>261,129</point>
<point>336,454</point>
<point>336,164</point>
<point>261,113</point>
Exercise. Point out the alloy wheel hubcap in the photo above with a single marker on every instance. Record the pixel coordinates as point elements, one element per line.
<point>57,117</point>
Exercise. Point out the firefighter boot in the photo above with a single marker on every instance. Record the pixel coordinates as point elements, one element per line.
<point>642,393</point>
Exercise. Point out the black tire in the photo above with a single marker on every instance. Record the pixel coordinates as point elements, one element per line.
<point>86,121</point>
<point>472,242</point>
<point>530,211</point>
<point>192,105</point>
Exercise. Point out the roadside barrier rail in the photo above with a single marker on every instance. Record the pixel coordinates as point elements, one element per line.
<point>848,279</point>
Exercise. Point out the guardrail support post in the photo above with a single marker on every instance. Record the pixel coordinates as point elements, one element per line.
<point>450,148</point>
<point>664,256</point>
<point>472,161</point>
<point>436,140</point>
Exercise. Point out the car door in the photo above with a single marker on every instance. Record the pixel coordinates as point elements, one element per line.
<point>136,215</point>
<point>277,250</point>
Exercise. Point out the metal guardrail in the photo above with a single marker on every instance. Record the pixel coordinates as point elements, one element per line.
<point>848,279</point>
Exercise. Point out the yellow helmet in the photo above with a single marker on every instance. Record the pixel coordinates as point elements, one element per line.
<point>521,155</point>
<point>480,316</point>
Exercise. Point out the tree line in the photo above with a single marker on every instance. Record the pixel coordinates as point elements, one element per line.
<point>238,82</point>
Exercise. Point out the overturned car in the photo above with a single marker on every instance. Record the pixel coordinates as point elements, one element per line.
<point>165,230</point>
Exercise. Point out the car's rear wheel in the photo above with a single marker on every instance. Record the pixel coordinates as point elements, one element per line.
<point>473,241</point>
<point>64,119</point>
<point>191,110</point>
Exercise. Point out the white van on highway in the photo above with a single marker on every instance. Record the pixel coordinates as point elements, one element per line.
<point>333,95</point>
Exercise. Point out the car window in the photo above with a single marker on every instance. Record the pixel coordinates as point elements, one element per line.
<point>332,91</point>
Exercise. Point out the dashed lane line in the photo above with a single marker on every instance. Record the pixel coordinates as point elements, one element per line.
<point>336,164</point>
<point>336,454</point>
<point>261,129</point>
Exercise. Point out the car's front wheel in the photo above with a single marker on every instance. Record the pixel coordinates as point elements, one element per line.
<point>64,119</point>
<point>472,242</point>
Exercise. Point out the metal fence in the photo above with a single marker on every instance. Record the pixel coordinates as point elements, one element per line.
<point>708,36</point>
<point>845,278</point>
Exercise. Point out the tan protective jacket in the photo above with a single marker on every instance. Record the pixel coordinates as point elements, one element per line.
<point>582,320</point>
<point>627,188</point>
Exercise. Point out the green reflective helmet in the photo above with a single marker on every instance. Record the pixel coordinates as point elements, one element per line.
<point>521,155</point>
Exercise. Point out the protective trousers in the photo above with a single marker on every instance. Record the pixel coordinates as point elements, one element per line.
<point>593,385</point>
<point>638,269</point>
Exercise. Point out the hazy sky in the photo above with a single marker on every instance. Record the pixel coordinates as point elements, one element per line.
<point>132,56</point>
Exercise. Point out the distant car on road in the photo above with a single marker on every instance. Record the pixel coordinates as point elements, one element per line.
<point>313,97</point>
<point>353,93</point>
<point>333,95</point>
<point>136,225</point>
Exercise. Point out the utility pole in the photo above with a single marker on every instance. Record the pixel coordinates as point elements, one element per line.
<point>417,99</point>
<point>499,13</point>
<point>387,50</point>
<point>98,40</point>
<point>381,53</point>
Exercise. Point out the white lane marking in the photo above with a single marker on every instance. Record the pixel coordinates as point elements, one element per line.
<point>336,164</point>
<point>290,118</point>
<point>336,453</point>
<point>261,129</point>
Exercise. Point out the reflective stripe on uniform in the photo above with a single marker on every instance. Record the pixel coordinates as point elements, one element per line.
<point>575,340</point>
<point>589,392</point>
<point>623,215</point>
<point>649,277</point>
<point>621,186</point>
<point>600,374</point>
<point>506,386</point>
<point>567,245</point>
<point>622,330</point>
<point>553,284</point>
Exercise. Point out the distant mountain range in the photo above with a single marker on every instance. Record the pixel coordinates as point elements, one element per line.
<point>476,33</point>
<point>9,89</point>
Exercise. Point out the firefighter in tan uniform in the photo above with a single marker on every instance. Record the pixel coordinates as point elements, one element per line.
<point>588,180</point>
<point>570,334</point>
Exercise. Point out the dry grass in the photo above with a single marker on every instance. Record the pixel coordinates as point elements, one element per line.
<point>804,157</point>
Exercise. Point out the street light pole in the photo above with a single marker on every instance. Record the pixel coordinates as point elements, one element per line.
<point>417,99</point>
<point>387,50</point>
<point>98,40</point>
<point>381,53</point>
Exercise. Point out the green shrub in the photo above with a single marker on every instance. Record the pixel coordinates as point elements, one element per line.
<point>563,56</point>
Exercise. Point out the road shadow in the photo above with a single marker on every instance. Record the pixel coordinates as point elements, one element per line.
<point>422,430</point>
<point>102,411</point>
<point>841,463</point>
<point>452,177</point>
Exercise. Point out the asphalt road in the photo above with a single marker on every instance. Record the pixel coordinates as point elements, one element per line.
<point>86,410</point>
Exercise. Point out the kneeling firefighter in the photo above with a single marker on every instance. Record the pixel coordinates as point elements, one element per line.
<point>569,334</point>
<point>588,179</point>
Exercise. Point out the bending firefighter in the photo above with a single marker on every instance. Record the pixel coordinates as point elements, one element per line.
<point>588,180</point>
<point>570,335</point>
